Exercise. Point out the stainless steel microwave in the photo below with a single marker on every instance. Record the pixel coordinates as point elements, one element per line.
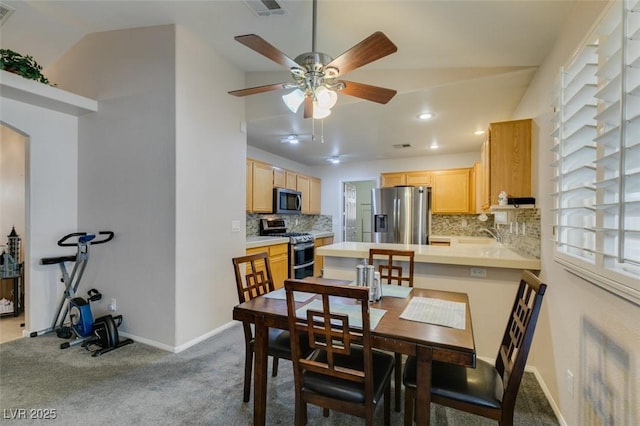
<point>286,201</point>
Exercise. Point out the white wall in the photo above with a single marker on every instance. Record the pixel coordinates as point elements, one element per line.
<point>210,182</point>
<point>52,186</point>
<point>126,170</point>
<point>334,175</point>
<point>160,165</point>
<point>583,328</point>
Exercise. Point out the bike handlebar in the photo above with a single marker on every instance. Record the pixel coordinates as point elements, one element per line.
<point>85,237</point>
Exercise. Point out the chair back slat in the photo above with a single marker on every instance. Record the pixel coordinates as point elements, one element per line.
<point>330,333</point>
<point>253,276</point>
<point>518,336</point>
<point>390,273</point>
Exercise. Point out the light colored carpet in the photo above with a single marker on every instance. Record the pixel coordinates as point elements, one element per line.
<point>141,385</point>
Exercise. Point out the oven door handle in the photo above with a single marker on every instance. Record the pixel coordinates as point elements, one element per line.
<point>306,265</point>
<point>303,246</point>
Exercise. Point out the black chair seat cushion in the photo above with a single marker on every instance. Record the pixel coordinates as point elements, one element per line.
<point>479,386</point>
<point>345,389</point>
<point>280,344</point>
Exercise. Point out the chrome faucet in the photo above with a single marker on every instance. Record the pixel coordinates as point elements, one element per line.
<point>494,233</point>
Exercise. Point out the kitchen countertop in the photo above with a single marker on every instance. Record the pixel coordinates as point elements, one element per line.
<point>472,251</point>
<point>262,241</point>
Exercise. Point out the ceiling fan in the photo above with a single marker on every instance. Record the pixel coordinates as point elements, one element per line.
<point>317,75</point>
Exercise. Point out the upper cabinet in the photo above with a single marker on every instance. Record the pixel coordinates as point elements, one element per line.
<point>259,187</point>
<point>388,180</point>
<point>314,195</point>
<point>279,178</point>
<point>506,161</point>
<point>302,185</point>
<point>450,189</point>
<point>263,177</point>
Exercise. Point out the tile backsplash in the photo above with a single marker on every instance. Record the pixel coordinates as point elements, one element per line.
<point>470,225</point>
<point>294,223</point>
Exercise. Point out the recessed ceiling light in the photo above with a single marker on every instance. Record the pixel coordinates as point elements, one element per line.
<point>334,160</point>
<point>425,116</point>
<point>434,145</point>
<point>479,132</point>
<point>292,139</point>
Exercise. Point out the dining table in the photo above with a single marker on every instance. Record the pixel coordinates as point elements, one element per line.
<point>426,341</point>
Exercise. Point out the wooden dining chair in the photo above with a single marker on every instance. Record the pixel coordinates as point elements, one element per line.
<point>253,279</point>
<point>343,372</point>
<point>394,273</point>
<point>487,390</point>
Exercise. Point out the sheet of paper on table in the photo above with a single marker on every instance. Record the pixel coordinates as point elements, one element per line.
<point>436,311</point>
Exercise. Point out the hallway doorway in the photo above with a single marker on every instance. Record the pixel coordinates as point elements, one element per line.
<point>356,210</point>
<point>13,202</point>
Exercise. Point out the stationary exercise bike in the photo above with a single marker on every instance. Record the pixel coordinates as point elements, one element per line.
<point>104,332</point>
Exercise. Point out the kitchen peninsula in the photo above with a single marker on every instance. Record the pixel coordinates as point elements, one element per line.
<point>480,267</point>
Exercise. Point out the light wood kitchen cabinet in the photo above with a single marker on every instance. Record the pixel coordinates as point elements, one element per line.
<point>314,195</point>
<point>259,187</point>
<point>249,191</point>
<point>418,178</point>
<point>318,261</point>
<point>278,261</point>
<point>507,166</point>
<point>450,191</point>
<point>291,180</point>
<point>388,180</point>
<point>303,185</point>
<point>279,178</point>
<point>263,177</point>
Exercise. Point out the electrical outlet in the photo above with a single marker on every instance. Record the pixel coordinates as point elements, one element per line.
<point>113,306</point>
<point>570,382</point>
<point>478,272</point>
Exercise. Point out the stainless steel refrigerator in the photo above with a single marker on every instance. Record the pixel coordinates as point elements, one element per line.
<point>401,215</point>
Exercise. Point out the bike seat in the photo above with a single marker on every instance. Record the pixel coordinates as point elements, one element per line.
<point>54,260</point>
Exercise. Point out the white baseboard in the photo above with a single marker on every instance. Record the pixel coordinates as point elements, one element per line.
<point>545,389</point>
<point>178,349</point>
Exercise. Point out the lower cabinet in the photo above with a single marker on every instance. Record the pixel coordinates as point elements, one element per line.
<point>318,262</point>
<point>278,260</point>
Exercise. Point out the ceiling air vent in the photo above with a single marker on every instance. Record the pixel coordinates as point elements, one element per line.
<point>5,11</point>
<point>402,145</point>
<point>265,7</point>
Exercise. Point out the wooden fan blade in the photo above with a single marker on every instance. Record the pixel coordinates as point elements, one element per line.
<point>372,48</point>
<point>308,107</point>
<point>258,89</point>
<point>370,93</point>
<point>263,47</point>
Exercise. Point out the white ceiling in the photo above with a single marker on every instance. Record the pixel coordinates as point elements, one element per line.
<point>467,62</point>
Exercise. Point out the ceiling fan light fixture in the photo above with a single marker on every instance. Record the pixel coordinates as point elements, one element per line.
<point>293,100</point>
<point>319,113</point>
<point>326,98</point>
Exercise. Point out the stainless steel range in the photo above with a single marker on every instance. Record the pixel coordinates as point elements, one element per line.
<point>301,247</point>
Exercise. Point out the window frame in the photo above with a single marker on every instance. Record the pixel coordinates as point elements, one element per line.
<point>591,210</point>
